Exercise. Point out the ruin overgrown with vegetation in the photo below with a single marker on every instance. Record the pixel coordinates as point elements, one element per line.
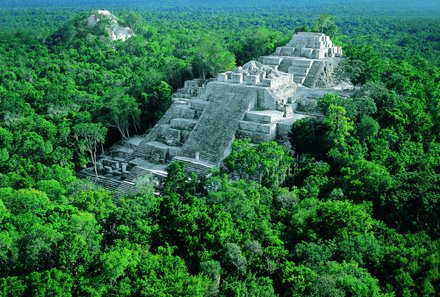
<point>176,148</point>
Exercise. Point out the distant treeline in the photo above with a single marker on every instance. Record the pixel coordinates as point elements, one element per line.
<point>335,6</point>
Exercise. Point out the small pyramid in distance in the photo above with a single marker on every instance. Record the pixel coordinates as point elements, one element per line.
<point>99,25</point>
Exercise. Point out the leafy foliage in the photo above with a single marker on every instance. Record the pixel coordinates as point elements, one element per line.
<point>352,213</point>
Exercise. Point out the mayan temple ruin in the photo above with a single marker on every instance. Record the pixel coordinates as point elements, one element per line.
<point>308,57</point>
<point>259,100</point>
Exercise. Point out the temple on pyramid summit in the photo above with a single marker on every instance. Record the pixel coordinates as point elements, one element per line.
<point>259,100</point>
<point>309,57</point>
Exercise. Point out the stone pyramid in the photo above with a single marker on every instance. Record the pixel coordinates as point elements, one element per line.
<point>258,100</point>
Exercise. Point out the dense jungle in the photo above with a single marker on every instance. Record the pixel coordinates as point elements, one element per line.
<point>352,210</point>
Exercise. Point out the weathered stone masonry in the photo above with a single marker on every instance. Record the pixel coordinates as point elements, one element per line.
<point>259,100</point>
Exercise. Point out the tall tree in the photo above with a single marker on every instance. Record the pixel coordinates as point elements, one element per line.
<point>123,112</point>
<point>88,137</point>
<point>326,24</point>
<point>267,162</point>
<point>212,57</point>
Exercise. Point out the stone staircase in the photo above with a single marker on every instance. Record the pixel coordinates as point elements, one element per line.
<point>127,186</point>
<point>108,183</point>
<point>119,187</point>
<point>313,74</point>
<point>271,61</point>
<point>300,69</point>
<point>136,172</point>
<point>200,167</point>
<point>168,136</point>
<point>305,71</point>
<point>208,138</point>
<point>124,189</point>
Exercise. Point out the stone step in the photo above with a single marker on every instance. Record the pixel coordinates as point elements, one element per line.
<point>256,137</point>
<point>183,123</point>
<point>264,116</point>
<point>184,111</point>
<point>312,75</point>
<point>285,51</point>
<point>291,50</point>
<point>257,127</point>
<point>169,136</point>
<point>302,63</point>
<point>137,154</point>
<point>299,71</point>
<point>198,104</point>
<point>218,123</point>
<point>177,132</point>
<point>119,151</point>
<point>144,167</point>
<point>108,183</point>
<point>199,167</point>
<point>182,95</point>
<point>159,152</point>
<point>271,60</point>
<point>299,79</point>
<point>139,171</point>
<point>133,142</point>
<point>124,189</point>
<point>179,100</point>
<point>132,176</point>
<point>318,44</point>
<point>284,127</point>
<point>307,52</point>
<point>177,93</point>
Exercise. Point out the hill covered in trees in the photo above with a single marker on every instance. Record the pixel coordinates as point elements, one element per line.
<point>354,212</point>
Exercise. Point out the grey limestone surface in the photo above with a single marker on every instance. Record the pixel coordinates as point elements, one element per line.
<point>217,125</point>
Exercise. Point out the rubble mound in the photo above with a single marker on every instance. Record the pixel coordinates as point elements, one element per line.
<point>100,25</point>
<point>256,68</point>
<point>113,27</point>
